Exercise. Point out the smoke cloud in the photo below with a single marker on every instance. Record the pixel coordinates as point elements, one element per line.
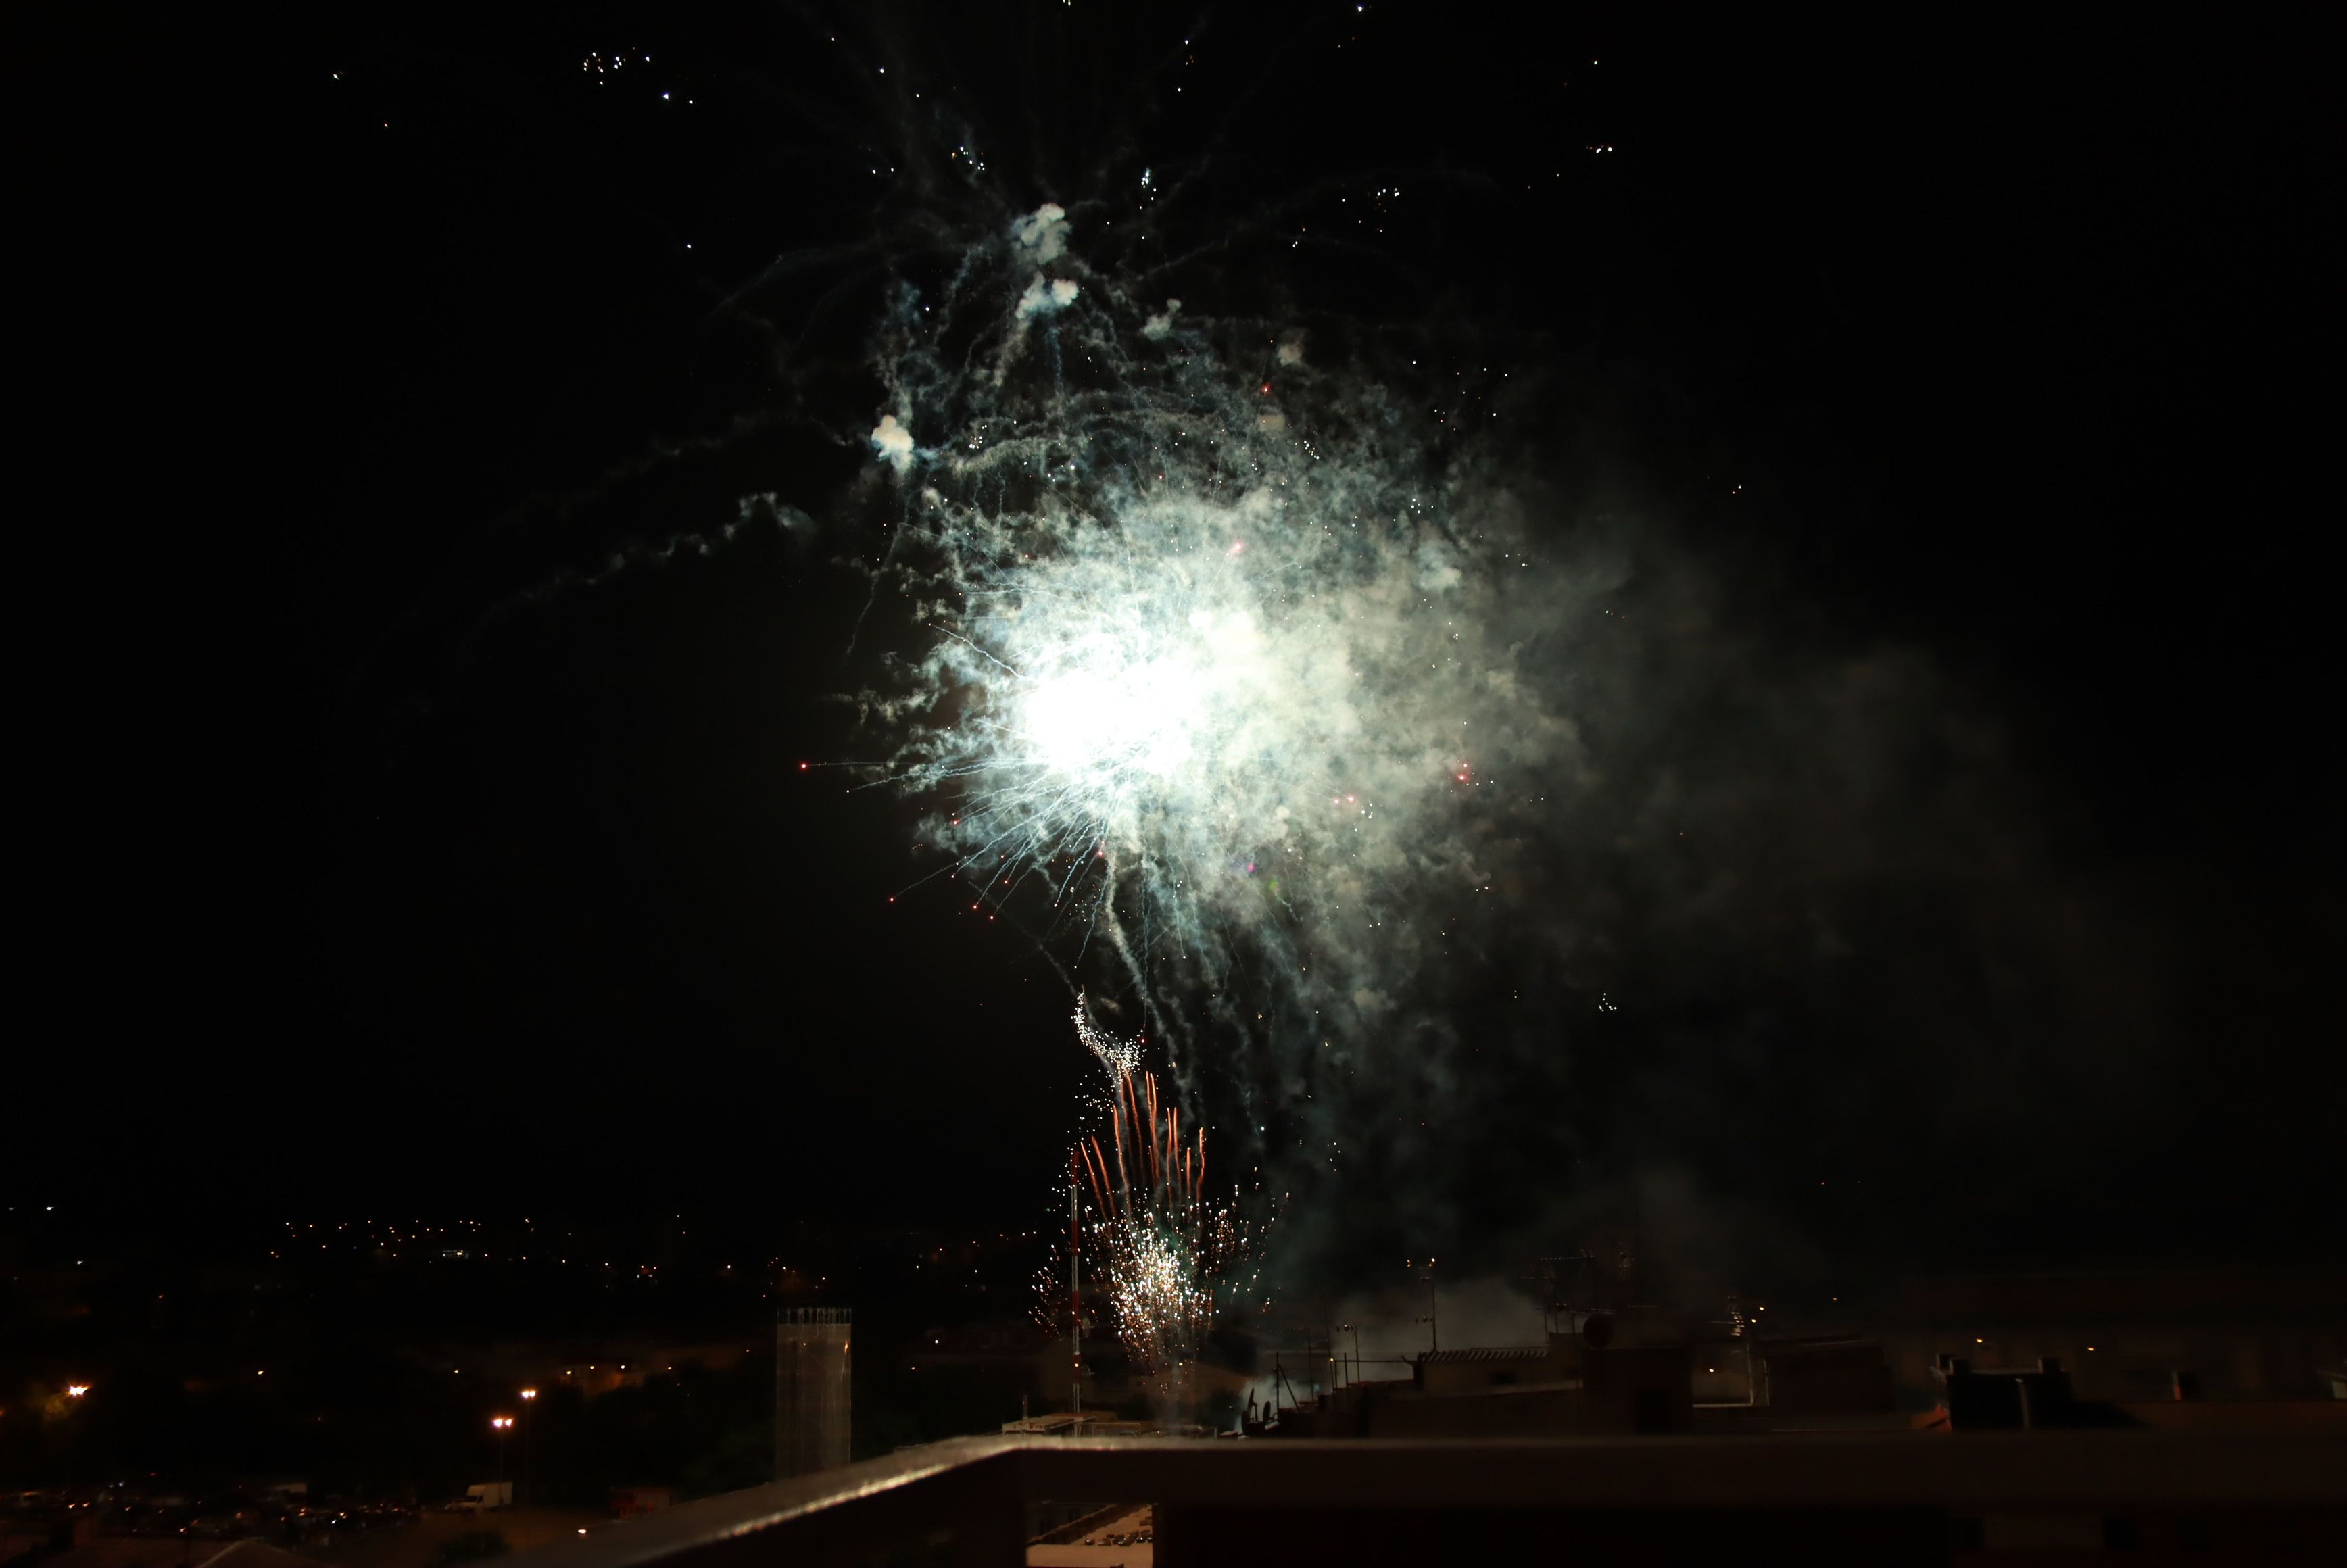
<point>1437,827</point>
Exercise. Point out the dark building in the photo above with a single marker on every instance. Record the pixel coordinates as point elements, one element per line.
<point>2263,1335</point>
<point>1587,1381</point>
<point>2027,1398</point>
<point>1836,1374</point>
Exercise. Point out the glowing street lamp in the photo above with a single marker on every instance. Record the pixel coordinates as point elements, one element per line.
<point>73,1392</point>
<point>526,1396</point>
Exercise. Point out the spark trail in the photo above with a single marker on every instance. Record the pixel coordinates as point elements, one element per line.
<point>1169,1258</point>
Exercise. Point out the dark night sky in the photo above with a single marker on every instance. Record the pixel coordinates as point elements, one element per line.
<point>360,873</point>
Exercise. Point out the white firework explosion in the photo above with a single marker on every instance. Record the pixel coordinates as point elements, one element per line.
<point>1219,659</point>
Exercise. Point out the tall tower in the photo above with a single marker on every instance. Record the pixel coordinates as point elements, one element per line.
<point>812,1399</point>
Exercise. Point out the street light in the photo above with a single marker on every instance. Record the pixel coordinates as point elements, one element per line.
<point>526,1396</point>
<point>501,1425</point>
<point>73,1392</point>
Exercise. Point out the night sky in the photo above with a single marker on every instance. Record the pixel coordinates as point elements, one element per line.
<point>1967,385</point>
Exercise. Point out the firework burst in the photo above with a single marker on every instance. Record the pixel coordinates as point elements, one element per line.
<point>1166,1259</point>
<point>1228,673</point>
<point>1222,660</point>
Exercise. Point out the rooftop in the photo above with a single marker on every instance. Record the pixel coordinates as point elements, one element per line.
<point>1827,1499</point>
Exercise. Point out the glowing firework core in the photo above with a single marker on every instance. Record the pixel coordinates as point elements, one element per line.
<point>1099,723</point>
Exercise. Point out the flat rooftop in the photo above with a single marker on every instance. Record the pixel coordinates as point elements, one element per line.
<point>1828,1498</point>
